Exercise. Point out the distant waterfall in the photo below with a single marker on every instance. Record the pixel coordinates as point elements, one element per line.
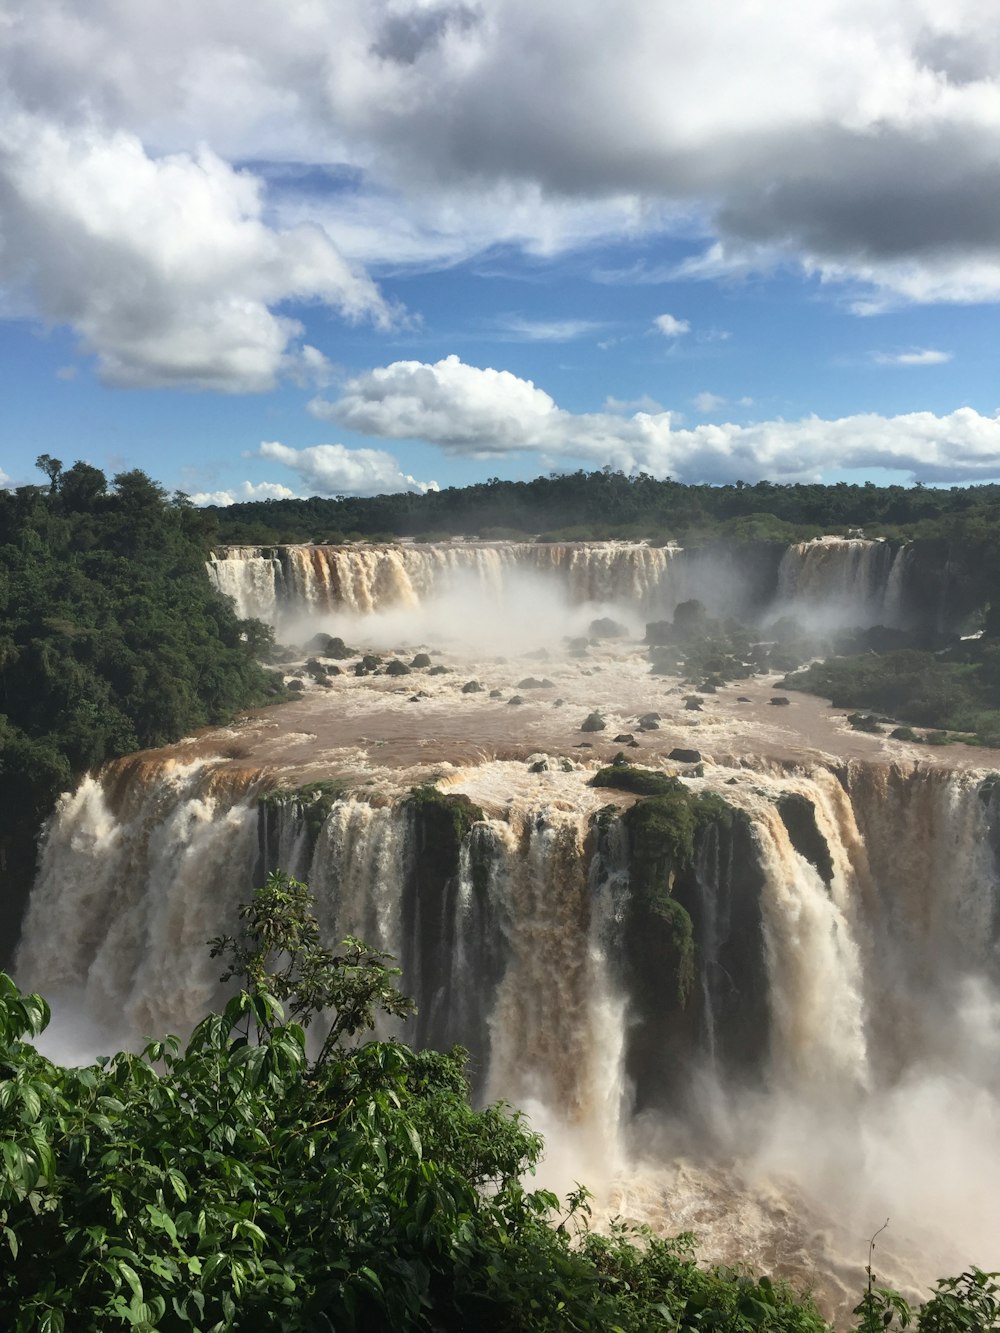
<point>837,581</point>
<point>288,581</point>
<point>832,580</point>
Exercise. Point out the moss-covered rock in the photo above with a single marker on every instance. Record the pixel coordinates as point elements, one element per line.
<point>312,802</point>
<point>640,781</point>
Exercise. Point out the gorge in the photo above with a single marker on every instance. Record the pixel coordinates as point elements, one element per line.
<point>747,985</point>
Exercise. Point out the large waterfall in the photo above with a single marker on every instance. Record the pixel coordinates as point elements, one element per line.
<point>845,969</point>
<point>835,581</point>
<point>765,1009</point>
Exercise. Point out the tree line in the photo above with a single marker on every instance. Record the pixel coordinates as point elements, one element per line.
<point>111,640</point>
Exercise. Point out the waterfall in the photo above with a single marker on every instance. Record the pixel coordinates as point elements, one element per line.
<point>837,581</point>
<point>846,989</point>
<point>277,584</point>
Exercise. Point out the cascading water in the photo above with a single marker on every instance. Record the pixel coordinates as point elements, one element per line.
<point>282,583</point>
<point>845,934</point>
<point>836,581</point>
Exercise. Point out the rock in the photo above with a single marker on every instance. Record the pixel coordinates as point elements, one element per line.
<point>624,738</point>
<point>634,745</point>
<point>397,668</point>
<point>413,699</point>
<point>779,701</point>
<point>693,704</point>
<point>295,684</point>
<point>496,694</point>
<point>515,699</point>
<point>593,722</point>
<point>577,647</point>
<point>530,683</point>
<point>558,703</point>
<point>743,699</point>
<point>334,671</point>
<point>472,687</point>
<point>646,718</point>
<point>421,660</point>
<point>370,662</point>
<point>685,756</point>
<point>619,760</point>
<point>606,628</point>
<point>326,645</point>
<point>438,671</point>
<point>732,782</point>
<point>583,745</point>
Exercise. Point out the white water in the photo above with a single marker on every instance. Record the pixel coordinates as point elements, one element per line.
<point>836,581</point>
<point>879,1096</point>
<point>830,582</point>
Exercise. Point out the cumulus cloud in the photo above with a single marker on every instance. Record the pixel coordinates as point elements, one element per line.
<point>918,356</point>
<point>855,140</point>
<point>460,407</point>
<point>165,267</point>
<point>333,469</point>
<point>670,326</point>
<point>247,490</point>
<point>5,481</point>
<point>483,412</point>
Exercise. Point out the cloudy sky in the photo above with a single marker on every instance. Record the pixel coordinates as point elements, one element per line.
<point>343,246</point>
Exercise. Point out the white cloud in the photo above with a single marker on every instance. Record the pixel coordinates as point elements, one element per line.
<point>165,267</point>
<point>745,401</point>
<point>246,490</point>
<point>919,356</point>
<point>5,481</point>
<point>549,330</point>
<point>852,140</point>
<point>67,372</point>
<point>671,327</point>
<point>455,405</point>
<point>707,402</point>
<point>644,403</point>
<point>333,469</point>
<point>483,412</point>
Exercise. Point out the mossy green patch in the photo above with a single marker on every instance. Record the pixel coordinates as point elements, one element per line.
<point>639,781</point>
<point>312,802</point>
<point>442,821</point>
<point>663,833</point>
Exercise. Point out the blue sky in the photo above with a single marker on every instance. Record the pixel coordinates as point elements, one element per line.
<point>344,248</point>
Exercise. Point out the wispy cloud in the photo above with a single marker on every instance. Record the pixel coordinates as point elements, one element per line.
<point>707,402</point>
<point>917,356</point>
<point>548,330</point>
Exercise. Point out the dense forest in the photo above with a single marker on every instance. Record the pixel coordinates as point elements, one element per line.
<point>111,640</point>
<point>612,504</point>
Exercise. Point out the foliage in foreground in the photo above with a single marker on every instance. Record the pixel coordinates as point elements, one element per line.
<point>244,1183</point>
